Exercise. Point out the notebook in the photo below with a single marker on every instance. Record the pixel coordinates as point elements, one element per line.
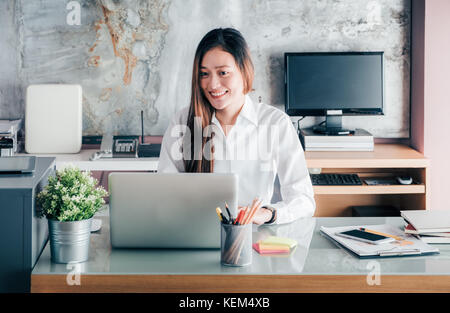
<point>427,221</point>
<point>434,239</point>
<point>409,229</point>
<point>405,245</point>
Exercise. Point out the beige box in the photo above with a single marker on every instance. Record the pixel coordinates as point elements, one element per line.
<point>53,118</point>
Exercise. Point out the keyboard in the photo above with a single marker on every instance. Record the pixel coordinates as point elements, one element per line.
<point>335,179</point>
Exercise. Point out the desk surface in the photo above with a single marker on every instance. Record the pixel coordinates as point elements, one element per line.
<point>82,160</point>
<point>317,264</point>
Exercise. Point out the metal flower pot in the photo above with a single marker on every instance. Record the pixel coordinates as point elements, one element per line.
<point>69,241</point>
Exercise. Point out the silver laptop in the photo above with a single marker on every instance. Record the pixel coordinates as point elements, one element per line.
<point>177,210</point>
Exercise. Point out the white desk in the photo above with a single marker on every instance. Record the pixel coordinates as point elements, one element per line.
<point>81,160</point>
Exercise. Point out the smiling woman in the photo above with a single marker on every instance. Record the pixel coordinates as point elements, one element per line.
<point>223,131</point>
<point>221,77</point>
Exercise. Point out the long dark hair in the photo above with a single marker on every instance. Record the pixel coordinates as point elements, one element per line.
<point>231,41</point>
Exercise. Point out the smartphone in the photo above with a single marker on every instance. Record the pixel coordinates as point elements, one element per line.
<point>364,236</point>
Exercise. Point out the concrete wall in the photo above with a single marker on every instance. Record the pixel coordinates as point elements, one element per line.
<point>133,55</point>
<point>11,102</point>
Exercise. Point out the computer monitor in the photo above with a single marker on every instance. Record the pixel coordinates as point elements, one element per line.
<point>333,84</point>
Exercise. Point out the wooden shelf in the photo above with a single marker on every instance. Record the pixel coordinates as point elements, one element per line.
<point>386,161</point>
<point>375,190</point>
<point>383,156</point>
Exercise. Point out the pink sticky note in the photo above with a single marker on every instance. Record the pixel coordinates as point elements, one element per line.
<point>256,247</point>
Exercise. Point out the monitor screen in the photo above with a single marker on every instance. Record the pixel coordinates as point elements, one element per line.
<point>350,81</point>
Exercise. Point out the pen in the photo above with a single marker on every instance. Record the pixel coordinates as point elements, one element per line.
<point>223,219</point>
<point>379,233</point>
<point>219,214</point>
<point>229,214</point>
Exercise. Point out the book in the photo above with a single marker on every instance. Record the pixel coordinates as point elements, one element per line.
<point>405,244</point>
<point>434,239</point>
<point>360,135</point>
<point>409,229</point>
<point>339,144</point>
<point>338,148</point>
<point>360,140</point>
<point>428,221</point>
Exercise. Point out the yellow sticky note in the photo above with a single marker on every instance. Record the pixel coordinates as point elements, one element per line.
<point>274,240</point>
<point>270,247</point>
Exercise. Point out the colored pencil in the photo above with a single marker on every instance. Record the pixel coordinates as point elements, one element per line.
<point>380,233</point>
<point>255,206</point>
<point>244,212</point>
<point>237,221</point>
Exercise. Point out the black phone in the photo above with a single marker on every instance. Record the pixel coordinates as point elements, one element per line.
<point>365,236</point>
<point>125,146</point>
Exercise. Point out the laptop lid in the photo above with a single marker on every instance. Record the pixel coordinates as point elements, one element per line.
<point>173,210</point>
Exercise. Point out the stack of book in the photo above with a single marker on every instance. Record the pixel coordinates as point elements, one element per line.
<point>360,140</point>
<point>429,226</point>
<point>275,245</point>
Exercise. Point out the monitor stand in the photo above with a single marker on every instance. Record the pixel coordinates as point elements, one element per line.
<point>333,127</point>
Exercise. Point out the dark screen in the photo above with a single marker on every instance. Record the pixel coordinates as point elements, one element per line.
<point>335,81</point>
<point>364,235</point>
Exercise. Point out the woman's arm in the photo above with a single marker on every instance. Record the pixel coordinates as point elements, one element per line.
<point>295,184</point>
<point>171,155</point>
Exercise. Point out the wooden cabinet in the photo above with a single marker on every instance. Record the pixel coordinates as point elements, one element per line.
<point>387,160</point>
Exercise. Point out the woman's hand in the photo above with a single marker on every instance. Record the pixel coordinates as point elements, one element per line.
<point>262,215</point>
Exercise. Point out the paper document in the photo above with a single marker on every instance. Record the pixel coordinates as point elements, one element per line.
<point>405,244</point>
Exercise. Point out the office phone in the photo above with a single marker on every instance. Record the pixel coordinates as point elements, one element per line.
<point>117,147</point>
<point>125,147</point>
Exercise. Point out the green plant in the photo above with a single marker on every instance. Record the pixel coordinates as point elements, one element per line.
<point>71,195</point>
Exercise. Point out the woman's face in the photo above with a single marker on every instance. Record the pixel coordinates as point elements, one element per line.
<point>221,80</point>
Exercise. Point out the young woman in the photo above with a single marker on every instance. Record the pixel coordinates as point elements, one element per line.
<point>223,131</point>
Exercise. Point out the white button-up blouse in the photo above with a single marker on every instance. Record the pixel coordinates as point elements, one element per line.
<point>261,144</point>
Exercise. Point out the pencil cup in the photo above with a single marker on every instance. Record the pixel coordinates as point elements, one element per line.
<point>236,244</point>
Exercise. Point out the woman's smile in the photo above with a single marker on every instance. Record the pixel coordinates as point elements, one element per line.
<point>218,95</point>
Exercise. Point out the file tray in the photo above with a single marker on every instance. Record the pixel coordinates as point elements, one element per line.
<point>17,165</point>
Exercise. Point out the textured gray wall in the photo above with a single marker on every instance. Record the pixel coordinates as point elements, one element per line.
<point>11,105</point>
<point>133,55</point>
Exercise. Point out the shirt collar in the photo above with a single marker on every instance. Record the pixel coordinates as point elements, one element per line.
<point>248,112</point>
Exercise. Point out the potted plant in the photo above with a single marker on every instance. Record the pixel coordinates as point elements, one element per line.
<point>69,201</point>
